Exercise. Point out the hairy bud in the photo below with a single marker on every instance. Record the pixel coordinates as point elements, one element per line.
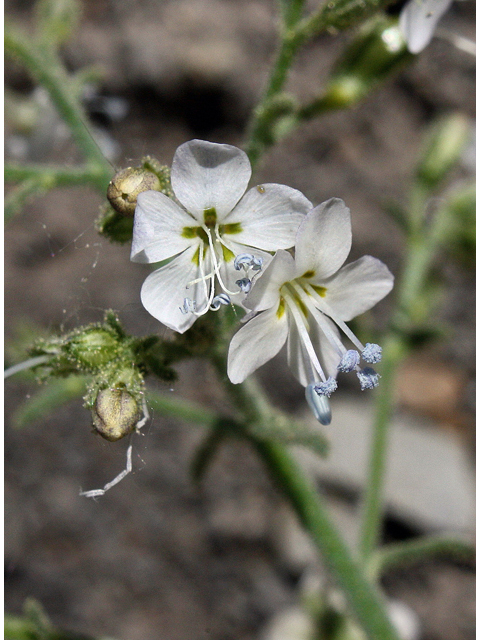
<point>115,413</point>
<point>125,186</point>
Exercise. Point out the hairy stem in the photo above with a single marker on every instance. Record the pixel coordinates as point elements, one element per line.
<point>50,74</point>
<point>365,601</point>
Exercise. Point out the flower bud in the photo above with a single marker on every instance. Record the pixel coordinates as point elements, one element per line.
<point>443,149</point>
<point>115,413</point>
<point>376,52</point>
<point>93,347</point>
<point>125,186</point>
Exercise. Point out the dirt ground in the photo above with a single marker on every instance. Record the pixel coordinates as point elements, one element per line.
<point>158,558</point>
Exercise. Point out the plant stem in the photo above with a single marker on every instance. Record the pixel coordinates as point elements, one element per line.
<point>421,249</point>
<point>365,601</point>
<point>411,551</point>
<point>261,124</point>
<point>371,517</point>
<point>50,74</point>
<point>50,177</point>
<point>181,409</point>
<point>308,505</point>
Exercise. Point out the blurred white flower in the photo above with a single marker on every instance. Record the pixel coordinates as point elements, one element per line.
<point>216,230</point>
<point>307,299</point>
<point>418,20</point>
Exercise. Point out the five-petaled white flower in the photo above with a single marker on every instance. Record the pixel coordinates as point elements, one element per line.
<point>307,299</point>
<point>212,233</point>
<point>418,20</point>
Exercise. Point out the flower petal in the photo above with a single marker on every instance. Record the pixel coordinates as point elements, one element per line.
<point>158,228</point>
<point>324,240</point>
<point>418,20</point>
<point>255,343</point>
<point>269,216</point>
<point>266,290</point>
<point>164,291</point>
<point>357,287</point>
<point>207,175</point>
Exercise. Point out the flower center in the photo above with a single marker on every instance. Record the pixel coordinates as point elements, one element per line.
<point>215,252</point>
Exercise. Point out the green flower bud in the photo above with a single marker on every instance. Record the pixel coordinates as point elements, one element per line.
<point>443,148</point>
<point>93,347</point>
<point>125,186</point>
<point>115,413</point>
<point>377,51</point>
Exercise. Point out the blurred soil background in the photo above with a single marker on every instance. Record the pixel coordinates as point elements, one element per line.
<point>158,558</point>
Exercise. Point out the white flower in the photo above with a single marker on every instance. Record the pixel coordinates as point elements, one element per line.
<point>306,300</point>
<point>211,227</point>
<point>418,20</point>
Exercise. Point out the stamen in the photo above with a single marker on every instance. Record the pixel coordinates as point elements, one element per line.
<point>326,388</point>
<point>319,405</point>
<point>372,353</point>
<point>209,295</point>
<point>216,264</point>
<point>222,298</point>
<point>188,306</point>
<point>368,378</point>
<point>302,330</point>
<point>319,317</point>
<point>257,263</point>
<point>243,260</point>
<point>349,362</point>
<point>325,308</point>
<point>245,284</point>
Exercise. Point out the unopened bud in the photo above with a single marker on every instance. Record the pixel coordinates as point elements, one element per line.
<point>115,413</point>
<point>377,51</point>
<point>94,347</point>
<point>125,186</point>
<point>443,148</point>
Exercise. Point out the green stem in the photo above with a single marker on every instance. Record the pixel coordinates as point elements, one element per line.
<point>49,177</point>
<point>181,409</point>
<point>295,32</point>
<point>365,601</point>
<point>406,553</point>
<point>338,15</point>
<point>49,73</point>
<point>371,517</point>
<point>260,128</point>
<point>421,249</point>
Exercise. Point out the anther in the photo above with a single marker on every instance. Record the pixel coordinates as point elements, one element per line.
<point>319,405</point>
<point>326,388</point>
<point>372,353</point>
<point>243,259</point>
<point>257,263</point>
<point>349,361</point>
<point>222,298</point>
<point>368,378</point>
<point>245,284</point>
<point>188,306</point>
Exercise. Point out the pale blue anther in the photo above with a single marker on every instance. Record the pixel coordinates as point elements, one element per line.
<point>349,361</point>
<point>326,388</point>
<point>245,284</point>
<point>372,353</point>
<point>368,378</point>
<point>257,263</point>
<point>319,405</point>
<point>243,259</point>
<point>188,306</point>
<point>222,298</point>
